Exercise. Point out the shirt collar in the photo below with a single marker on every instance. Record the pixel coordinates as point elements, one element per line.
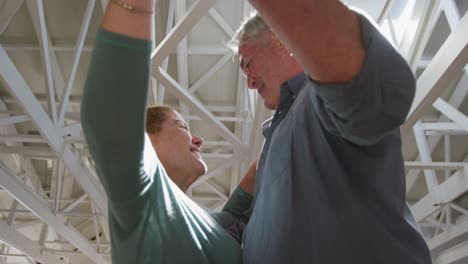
<point>292,86</point>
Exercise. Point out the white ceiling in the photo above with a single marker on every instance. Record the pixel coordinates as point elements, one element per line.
<point>45,49</point>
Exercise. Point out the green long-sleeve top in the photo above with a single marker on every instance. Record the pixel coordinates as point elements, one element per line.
<point>151,219</point>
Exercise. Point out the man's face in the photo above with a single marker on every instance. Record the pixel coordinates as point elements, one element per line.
<point>260,61</point>
<point>178,149</point>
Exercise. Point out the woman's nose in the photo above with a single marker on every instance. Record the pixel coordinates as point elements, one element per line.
<point>197,141</point>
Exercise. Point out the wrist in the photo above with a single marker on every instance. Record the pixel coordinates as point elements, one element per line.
<point>136,6</point>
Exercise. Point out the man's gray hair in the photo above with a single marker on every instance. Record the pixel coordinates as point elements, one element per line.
<point>249,29</point>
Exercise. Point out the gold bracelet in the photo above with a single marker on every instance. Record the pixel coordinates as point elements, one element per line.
<point>132,8</point>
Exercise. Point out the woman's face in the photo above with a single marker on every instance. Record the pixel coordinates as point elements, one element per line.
<point>179,151</point>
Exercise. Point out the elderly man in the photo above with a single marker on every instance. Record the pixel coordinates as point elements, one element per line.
<point>330,184</point>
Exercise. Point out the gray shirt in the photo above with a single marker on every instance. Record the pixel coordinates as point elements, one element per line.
<point>330,184</point>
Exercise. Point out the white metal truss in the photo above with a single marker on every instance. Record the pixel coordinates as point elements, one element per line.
<point>446,65</point>
<point>49,127</point>
<point>13,81</point>
<point>11,183</point>
<point>438,212</point>
<point>8,12</point>
<point>25,245</point>
<point>72,221</point>
<point>180,30</point>
<point>445,231</point>
<point>455,100</point>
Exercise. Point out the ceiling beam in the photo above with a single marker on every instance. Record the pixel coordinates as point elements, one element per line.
<point>221,22</point>
<point>170,22</point>
<point>451,12</point>
<point>17,47</point>
<point>197,107</point>
<point>19,241</point>
<point>450,189</point>
<point>425,154</point>
<point>11,183</point>
<point>23,165</point>
<point>446,65</point>
<point>217,189</point>
<point>9,222</point>
<point>220,118</point>
<point>26,150</point>
<point>215,171</point>
<point>207,51</point>
<point>53,76</point>
<point>76,59</point>
<point>18,87</point>
<point>88,48</point>
<point>244,108</point>
<point>436,165</point>
<point>385,11</point>
<point>47,51</point>
<point>207,75</point>
<point>180,30</point>
<point>419,20</point>
<point>457,255</point>
<point>36,9</point>
<point>75,99</point>
<point>455,235</point>
<point>427,24</point>
<point>241,130</point>
<point>11,120</point>
<point>22,138</point>
<point>442,126</point>
<point>7,12</point>
<point>182,57</point>
<point>456,100</point>
<point>452,113</point>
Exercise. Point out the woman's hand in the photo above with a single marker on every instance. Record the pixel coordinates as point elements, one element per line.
<point>248,182</point>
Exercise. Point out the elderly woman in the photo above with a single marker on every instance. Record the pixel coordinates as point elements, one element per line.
<point>151,219</point>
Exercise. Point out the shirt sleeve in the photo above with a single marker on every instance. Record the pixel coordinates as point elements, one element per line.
<point>236,213</point>
<point>376,101</point>
<point>112,116</point>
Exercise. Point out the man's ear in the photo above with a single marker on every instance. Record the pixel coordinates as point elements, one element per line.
<point>278,44</point>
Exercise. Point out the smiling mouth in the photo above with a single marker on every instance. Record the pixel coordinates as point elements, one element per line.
<point>196,153</point>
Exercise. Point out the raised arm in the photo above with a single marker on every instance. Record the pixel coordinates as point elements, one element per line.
<point>113,107</point>
<point>120,20</point>
<point>323,35</point>
<point>364,86</point>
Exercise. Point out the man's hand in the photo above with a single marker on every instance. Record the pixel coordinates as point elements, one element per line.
<point>323,35</point>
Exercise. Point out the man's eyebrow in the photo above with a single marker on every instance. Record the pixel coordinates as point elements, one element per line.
<point>242,62</point>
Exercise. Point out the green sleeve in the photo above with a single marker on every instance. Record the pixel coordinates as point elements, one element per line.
<point>235,214</point>
<point>238,203</point>
<point>150,219</point>
<point>112,117</point>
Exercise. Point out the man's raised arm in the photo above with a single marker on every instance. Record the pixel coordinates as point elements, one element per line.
<point>323,35</point>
